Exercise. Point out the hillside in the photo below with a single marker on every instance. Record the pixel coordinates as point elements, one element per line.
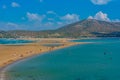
<point>90,27</point>
<point>84,28</point>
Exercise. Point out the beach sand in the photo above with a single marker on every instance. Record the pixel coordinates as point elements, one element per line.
<point>12,53</point>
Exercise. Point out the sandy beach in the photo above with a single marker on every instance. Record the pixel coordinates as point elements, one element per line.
<point>12,53</point>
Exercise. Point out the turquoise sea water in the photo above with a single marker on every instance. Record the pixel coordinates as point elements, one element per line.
<point>94,61</point>
<point>13,41</point>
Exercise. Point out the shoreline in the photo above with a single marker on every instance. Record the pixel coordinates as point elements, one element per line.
<point>65,42</point>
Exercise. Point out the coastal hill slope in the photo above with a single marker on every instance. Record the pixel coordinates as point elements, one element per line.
<point>91,27</point>
<point>84,28</point>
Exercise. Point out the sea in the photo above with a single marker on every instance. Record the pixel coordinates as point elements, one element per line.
<point>97,60</point>
<point>6,41</point>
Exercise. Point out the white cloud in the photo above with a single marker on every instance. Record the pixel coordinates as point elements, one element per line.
<point>90,17</point>
<point>49,24</point>
<point>60,23</point>
<point>69,18</point>
<point>51,12</point>
<point>103,17</point>
<point>11,24</point>
<point>100,2</point>
<point>35,16</point>
<point>14,4</point>
<point>100,16</point>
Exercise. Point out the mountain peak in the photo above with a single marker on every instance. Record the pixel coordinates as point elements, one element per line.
<point>91,26</point>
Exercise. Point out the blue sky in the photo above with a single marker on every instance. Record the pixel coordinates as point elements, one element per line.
<point>52,14</point>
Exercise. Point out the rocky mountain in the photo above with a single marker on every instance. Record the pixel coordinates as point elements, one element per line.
<point>91,27</point>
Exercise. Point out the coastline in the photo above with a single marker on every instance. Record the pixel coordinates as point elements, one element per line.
<point>38,44</point>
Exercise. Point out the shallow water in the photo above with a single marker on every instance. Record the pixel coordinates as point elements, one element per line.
<point>14,41</point>
<point>95,61</point>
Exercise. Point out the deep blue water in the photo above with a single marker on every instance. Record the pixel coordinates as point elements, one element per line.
<point>94,61</point>
<point>13,41</point>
